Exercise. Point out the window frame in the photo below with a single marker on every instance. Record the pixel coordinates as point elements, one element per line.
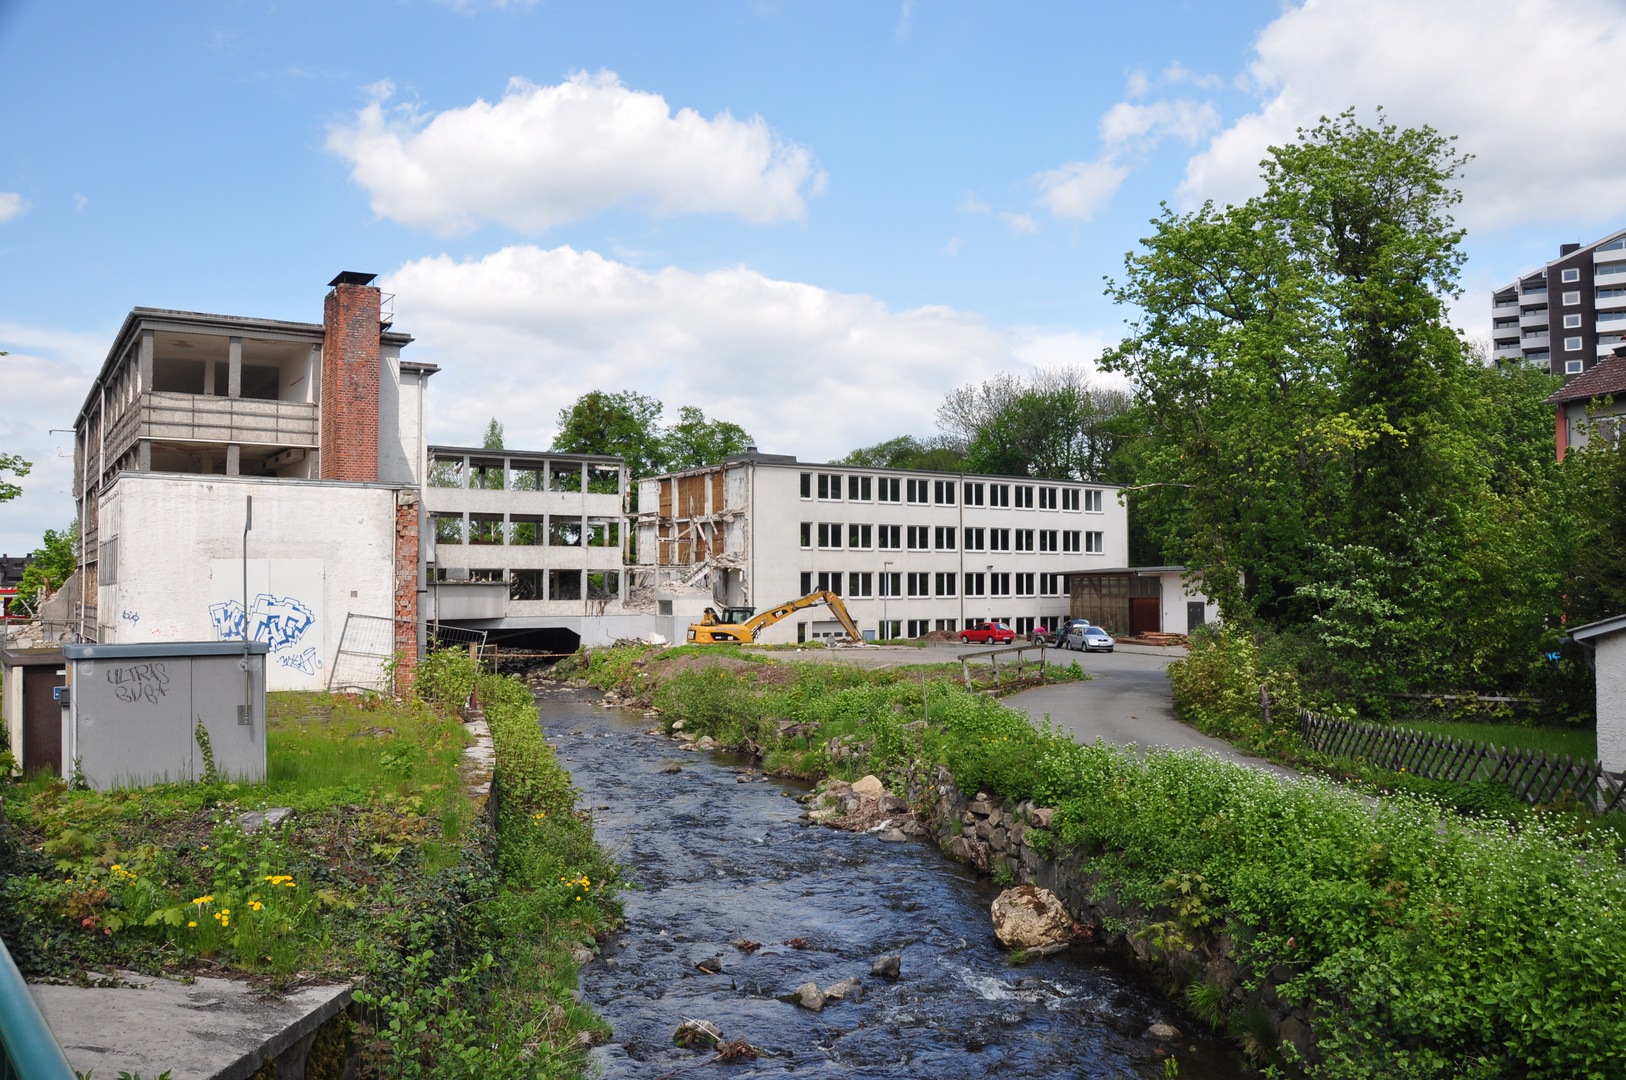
<point>1569,274</point>
<point>1095,542</point>
<point>942,533</point>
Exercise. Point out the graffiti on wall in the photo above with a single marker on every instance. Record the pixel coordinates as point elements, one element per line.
<point>279,621</point>
<point>285,611</point>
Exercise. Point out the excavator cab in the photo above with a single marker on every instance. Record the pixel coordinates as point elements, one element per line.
<point>734,616</point>
<point>741,625</point>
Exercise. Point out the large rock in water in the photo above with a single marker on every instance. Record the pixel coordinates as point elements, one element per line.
<point>1027,917</point>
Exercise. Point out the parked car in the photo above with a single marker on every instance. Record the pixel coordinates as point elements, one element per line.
<point>1087,638</point>
<point>987,633</point>
<point>1043,635</point>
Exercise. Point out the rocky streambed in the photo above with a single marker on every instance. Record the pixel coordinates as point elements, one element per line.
<point>745,915</point>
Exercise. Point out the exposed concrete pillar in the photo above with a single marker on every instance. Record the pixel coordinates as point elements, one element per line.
<point>209,378</point>
<point>144,363</point>
<point>234,375</point>
<point>233,459</point>
<point>144,455</point>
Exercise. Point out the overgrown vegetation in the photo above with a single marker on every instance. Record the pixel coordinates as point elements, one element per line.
<point>1431,945</point>
<point>386,875</point>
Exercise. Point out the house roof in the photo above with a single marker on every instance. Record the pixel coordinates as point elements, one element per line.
<point>1608,377</point>
<point>1611,625</point>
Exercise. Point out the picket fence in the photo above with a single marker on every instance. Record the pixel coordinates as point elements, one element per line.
<point>1533,775</point>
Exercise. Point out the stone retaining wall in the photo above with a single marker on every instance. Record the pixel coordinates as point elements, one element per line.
<point>992,833</point>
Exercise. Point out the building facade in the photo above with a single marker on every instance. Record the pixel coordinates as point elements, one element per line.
<point>319,424</point>
<point>1570,314</point>
<point>909,552</point>
<point>1591,405</point>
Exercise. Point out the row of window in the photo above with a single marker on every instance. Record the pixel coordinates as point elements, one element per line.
<point>893,629</point>
<point>525,532</point>
<point>548,584</point>
<point>829,536</point>
<point>829,488</point>
<point>891,584</point>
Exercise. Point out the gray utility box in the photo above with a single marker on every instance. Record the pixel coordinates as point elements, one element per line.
<point>132,711</point>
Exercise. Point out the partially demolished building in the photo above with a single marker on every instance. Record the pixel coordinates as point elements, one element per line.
<point>909,551</point>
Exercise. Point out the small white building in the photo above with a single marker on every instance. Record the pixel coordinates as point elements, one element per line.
<point>1606,640</point>
<point>909,551</point>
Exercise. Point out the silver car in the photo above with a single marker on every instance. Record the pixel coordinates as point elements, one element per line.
<point>1086,638</point>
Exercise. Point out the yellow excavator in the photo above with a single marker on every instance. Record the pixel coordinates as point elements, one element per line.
<point>737,625</point>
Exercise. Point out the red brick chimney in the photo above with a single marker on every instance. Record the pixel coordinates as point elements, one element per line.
<point>350,320</point>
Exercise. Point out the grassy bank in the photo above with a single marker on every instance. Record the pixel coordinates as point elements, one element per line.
<point>1430,946</point>
<point>459,941</point>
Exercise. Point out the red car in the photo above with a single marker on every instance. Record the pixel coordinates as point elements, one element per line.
<point>987,633</point>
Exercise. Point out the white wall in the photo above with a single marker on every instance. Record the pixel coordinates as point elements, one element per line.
<point>179,537</point>
<point>400,439</point>
<point>1611,672</point>
<point>1176,594</point>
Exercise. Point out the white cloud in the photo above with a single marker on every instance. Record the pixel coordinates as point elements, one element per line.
<point>1524,83</point>
<point>545,155</point>
<point>11,204</point>
<point>1177,73</point>
<point>46,377</point>
<point>970,204</point>
<point>1079,189</point>
<point>522,332</point>
<point>953,246</point>
<point>1019,223</point>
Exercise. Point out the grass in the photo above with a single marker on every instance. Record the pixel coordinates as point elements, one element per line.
<point>1578,743</point>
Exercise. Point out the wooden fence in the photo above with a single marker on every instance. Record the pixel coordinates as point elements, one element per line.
<point>1531,774</point>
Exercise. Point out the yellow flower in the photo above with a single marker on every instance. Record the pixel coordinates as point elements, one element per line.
<point>255,904</point>
<point>204,900</point>
<point>193,923</point>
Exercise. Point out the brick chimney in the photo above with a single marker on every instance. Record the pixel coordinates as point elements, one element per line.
<point>350,320</point>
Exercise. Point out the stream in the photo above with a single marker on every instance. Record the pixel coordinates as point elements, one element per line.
<point>715,860</point>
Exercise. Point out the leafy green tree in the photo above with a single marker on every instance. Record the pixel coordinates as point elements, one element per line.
<point>14,464</point>
<point>694,441</point>
<point>625,424</point>
<point>908,452</point>
<point>54,562</point>
<point>493,436</point>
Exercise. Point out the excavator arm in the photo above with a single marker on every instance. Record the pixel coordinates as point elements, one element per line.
<point>756,625</point>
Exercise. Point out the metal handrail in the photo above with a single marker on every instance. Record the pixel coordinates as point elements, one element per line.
<point>31,1051</point>
<point>994,654</point>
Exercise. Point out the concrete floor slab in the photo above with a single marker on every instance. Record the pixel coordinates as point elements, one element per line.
<point>212,1029</point>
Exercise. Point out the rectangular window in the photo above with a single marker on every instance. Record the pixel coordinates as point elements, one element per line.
<point>830,486</point>
<point>943,538</point>
<point>448,528</point>
<point>889,630</point>
<point>525,585</point>
<point>1571,298</point>
<point>807,534</point>
<point>565,532</point>
<point>1024,497</point>
<point>1047,498</point>
<point>1024,626</point>
<point>858,488</point>
<point>1573,367</point>
<point>860,584</point>
<point>524,532</point>
<point>603,534</point>
<point>1024,539</point>
<point>999,539</point>
<point>807,485</point>
<point>919,537</point>
<point>858,537</point>
<point>919,627</point>
<point>889,537</point>
<point>485,529</point>
<point>564,584</point>
<point>1570,275</point>
<point>891,583</point>
<point>976,584</point>
<point>1094,543</point>
<point>807,583</point>
<point>1052,584</point>
<point>943,584</point>
<point>1069,498</point>
<point>604,585</point>
<point>829,535</point>
<point>1572,322</point>
<point>974,539</point>
<point>830,582</point>
<point>999,494</point>
<point>1047,540</point>
<point>919,492</point>
<point>943,492</point>
<point>1000,584</point>
<point>887,489</point>
<point>919,584</point>
<point>1024,584</point>
<point>947,625</point>
<point>973,494</point>
<point>1092,501</point>
<point>1070,540</point>
<point>1572,344</point>
<point>488,574</point>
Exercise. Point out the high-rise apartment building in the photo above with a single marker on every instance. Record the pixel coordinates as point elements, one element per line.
<point>1571,313</point>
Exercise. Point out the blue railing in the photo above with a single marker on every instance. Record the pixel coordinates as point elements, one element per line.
<point>31,1052</point>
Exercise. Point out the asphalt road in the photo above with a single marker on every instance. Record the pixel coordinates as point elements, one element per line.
<point>1128,703</point>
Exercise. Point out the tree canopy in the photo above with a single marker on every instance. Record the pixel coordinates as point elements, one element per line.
<point>54,562</point>
<point>627,424</point>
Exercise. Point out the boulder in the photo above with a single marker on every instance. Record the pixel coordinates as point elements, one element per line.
<point>869,785</point>
<point>582,955</point>
<point>706,742</point>
<point>837,787</point>
<point>893,836</point>
<point>848,989</point>
<point>1163,1033</point>
<point>1027,917</point>
<point>886,967</point>
<point>1042,816</point>
<point>809,996</point>
<point>252,821</point>
<point>891,804</point>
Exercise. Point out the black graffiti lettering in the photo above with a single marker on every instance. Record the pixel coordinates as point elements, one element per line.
<point>139,682</point>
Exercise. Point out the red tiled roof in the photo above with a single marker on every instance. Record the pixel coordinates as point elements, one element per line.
<point>1609,377</point>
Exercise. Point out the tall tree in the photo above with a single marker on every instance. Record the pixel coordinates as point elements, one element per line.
<point>493,436</point>
<point>626,424</point>
<point>694,441</point>
<point>1054,425</point>
<point>907,452</point>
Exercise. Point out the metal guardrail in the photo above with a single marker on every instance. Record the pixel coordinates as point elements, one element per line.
<point>31,1051</point>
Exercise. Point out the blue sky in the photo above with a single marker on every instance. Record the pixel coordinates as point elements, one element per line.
<point>907,197</point>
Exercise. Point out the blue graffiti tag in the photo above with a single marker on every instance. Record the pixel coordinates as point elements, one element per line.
<point>228,620</point>
<point>280,622</point>
<point>305,661</point>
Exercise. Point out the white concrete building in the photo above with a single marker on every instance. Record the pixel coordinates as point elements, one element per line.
<point>1607,641</point>
<point>909,551</point>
